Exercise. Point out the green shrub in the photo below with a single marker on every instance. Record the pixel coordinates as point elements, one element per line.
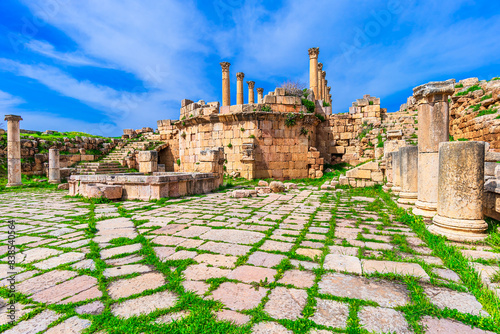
<point>320,117</point>
<point>487,112</point>
<point>290,119</point>
<point>178,162</point>
<point>486,97</point>
<point>266,108</point>
<point>326,104</point>
<point>470,89</point>
<point>304,131</point>
<point>309,105</point>
<point>229,145</point>
<point>370,103</point>
<point>252,136</point>
<point>459,86</point>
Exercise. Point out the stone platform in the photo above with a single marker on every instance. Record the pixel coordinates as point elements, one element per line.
<point>143,187</point>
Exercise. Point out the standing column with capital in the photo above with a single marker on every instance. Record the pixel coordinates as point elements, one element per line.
<point>313,70</point>
<point>260,95</point>
<point>54,166</point>
<point>320,82</point>
<point>323,87</point>
<point>226,84</point>
<point>433,128</point>
<point>239,87</point>
<point>251,93</point>
<point>13,150</point>
<point>328,94</point>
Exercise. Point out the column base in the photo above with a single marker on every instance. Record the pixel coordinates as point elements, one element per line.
<point>388,186</point>
<point>54,182</point>
<point>459,229</point>
<point>425,209</point>
<point>407,198</point>
<point>13,184</point>
<point>396,190</point>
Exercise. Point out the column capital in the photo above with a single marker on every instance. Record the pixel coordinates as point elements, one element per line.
<point>251,84</point>
<point>13,118</point>
<point>313,52</point>
<point>430,89</point>
<point>225,66</point>
<point>240,75</point>
<point>329,89</point>
<point>320,67</point>
<point>323,74</point>
<point>260,90</point>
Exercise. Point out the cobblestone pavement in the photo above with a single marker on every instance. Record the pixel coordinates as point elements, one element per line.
<point>308,261</point>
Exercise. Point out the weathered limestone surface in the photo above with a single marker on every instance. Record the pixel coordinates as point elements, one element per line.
<point>13,150</point>
<point>313,70</point>
<point>396,172</point>
<point>239,88</point>
<point>409,175</point>
<point>54,167</point>
<point>226,85</point>
<point>461,190</point>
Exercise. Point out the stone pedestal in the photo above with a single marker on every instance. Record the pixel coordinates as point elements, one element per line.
<point>212,161</point>
<point>148,161</point>
<point>313,71</point>
<point>260,95</point>
<point>251,93</point>
<point>239,88</point>
<point>226,84</point>
<point>433,128</point>
<point>409,175</point>
<point>13,150</point>
<point>460,192</point>
<point>396,173</point>
<point>54,167</point>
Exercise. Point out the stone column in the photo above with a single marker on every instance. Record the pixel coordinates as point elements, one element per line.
<point>433,128</point>
<point>396,173</point>
<point>226,84</point>
<point>320,81</point>
<point>329,95</point>
<point>13,150</point>
<point>313,71</point>
<point>54,168</point>
<point>323,87</point>
<point>460,192</point>
<point>251,93</point>
<point>260,95</point>
<point>409,174</point>
<point>239,88</point>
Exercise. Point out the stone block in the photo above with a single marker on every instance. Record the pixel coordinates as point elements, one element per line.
<point>358,173</point>
<point>106,191</point>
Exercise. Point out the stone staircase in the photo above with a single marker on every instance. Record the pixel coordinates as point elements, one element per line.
<point>93,168</point>
<point>118,155</point>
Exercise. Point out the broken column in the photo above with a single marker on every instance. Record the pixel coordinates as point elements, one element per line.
<point>409,174</point>
<point>148,161</point>
<point>433,128</point>
<point>251,93</point>
<point>396,173</point>
<point>460,192</point>
<point>226,84</point>
<point>320,81</point>
<point>13,150</point>
<point>239,87</point>
<point>212,161</point>
<point>260,95</point>
<point>329,95</point>
<point>54,167</point>
<point>323,85</point>
<point>313,70</point>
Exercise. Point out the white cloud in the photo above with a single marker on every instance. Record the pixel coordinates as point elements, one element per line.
<point>8,102</point>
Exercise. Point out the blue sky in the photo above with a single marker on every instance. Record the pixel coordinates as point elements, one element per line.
<point>100,66</point>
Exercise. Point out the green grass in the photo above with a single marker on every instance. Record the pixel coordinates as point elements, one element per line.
<point>487,112</point>
<point>61,135</point>
<point>486,97</point>
<point>470,89</point>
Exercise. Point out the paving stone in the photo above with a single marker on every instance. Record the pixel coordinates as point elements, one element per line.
<point>167,240</point>
<point>311,253</point>
<point>225,248</point>
<point>144,305</point>
<point>170,229</point>
<point>192,231</point>
<point>71,325</point>
<point>110,252</point>
<point>401,268</point>
<point>447,274</point>
<point>298,278</point>
<point>69,288</point>
<point>249,274</point>
<point>84,264</point>
<point>191,243</point>
<point>59,260</point>
<point>44,281</point>
<point>477,254</point>
<point>217,260</point>
<point>94,308</point>
<point>35,325</point>
<point>128,287</point>
<point>271,245</point>
<point>239,296</point>
<point>197,287</point>
<point>461,301</point>
<point>352,251</point>
<point>164,252</point>
<point>171,317</point>
<point>203,272</point>
<point>304,264</point>
<point>385,293</point>
<point>232,316</point>
<point>124,260</point>
<point>233,236</point>
<point>386,320</point>
<point>286,303</point>
<point>431,260</point>
<point>445,326</point>
<point>126,270</point>
<point>340,262</point>
<point>270,328</point>
<point>39,253</point>
<point>331,313</point>
<point>378,245</point>
<point>263,259</point>
<point>182,255</point>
